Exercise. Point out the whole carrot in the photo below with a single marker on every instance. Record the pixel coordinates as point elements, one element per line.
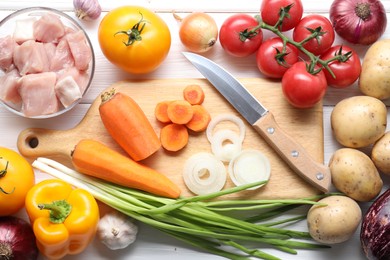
<point>98,160</point>
<point>128,125</point>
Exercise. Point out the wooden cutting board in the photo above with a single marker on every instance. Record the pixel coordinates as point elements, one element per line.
<point>306,126</point>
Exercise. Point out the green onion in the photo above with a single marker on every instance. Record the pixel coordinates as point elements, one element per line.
<point>197,220</point>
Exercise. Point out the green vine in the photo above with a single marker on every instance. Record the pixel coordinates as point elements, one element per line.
<point>314,34</point>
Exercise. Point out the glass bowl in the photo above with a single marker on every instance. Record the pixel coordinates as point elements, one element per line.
<point>47,62</point>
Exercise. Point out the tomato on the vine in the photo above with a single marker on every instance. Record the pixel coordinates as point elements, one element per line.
<point>16,179</point>
<point>270,12</point>
<point>272,61</point>
<point>301,88</point>
<point>236,35</point>
<point>315,23</point>
<point>134,38</point>
<point>345,72</point>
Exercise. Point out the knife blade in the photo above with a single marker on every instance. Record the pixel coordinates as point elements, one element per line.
<point>263,122</point>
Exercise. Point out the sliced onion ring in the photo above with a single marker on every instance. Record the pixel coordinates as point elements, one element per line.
<point>249,166</point>
<point>225,117</point>
<point>204,173</point>
<point>223,150</point>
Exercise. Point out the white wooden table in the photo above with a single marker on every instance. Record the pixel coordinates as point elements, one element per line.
<point>152,244</point>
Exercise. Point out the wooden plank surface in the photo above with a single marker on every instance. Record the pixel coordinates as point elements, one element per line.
<point>303,125</point>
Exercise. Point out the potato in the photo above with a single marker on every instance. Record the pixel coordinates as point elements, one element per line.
<point>380,154</point>
<point>359,121</point>
<point>336,222</point>
<point>374,79</point>
<point>354,174</point>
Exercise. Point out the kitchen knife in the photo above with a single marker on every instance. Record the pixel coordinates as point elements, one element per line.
<point>263,122</point>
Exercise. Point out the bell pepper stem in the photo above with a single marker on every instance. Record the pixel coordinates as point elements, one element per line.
<point>59,210</point>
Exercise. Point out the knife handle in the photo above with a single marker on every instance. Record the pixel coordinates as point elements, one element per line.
<point>293,153</point>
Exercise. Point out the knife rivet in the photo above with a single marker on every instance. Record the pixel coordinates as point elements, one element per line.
<point>320,176</point>
<point>294,153</point>
<point>271,130</point>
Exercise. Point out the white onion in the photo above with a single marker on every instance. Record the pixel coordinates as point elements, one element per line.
<point>204,173</point>
<point>249,166</point>
<point>222,149</point>
<point>225,117</point>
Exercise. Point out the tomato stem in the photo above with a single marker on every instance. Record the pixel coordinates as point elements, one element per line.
<point>134,34</point>
<point>3,172</point>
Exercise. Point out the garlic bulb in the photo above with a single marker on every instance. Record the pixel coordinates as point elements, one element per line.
<point>87,9</point>
<point>116,230</point>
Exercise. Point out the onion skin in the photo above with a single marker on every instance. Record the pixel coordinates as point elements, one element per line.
<point>375,231</point>
<point>358,28</point>
<point>17,235</point>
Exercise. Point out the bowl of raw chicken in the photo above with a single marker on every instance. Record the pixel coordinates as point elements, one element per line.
<point>46,62</point>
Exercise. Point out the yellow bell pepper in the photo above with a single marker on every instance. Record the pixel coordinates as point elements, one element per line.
<point>64,219</point>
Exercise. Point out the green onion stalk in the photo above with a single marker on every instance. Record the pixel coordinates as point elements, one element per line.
<point>198,220</point>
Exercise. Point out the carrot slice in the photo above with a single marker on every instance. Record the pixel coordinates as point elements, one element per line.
<point>95,159</point>
<point>160,112</point>
<point>128,125</point>
<point>180,111</point>
<point>194,94</point>
<point>174,137</point>
<point>200,119</point>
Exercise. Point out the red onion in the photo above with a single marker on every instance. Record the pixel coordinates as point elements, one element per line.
<point>358,21</point>
<point>375,230</point>
<point>17,239</point>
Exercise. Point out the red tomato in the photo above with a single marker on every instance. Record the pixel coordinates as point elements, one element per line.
<point>236,38</point>
<point>302,89</point>
<point>346,72</point>
<point>270,53</point>
<point>270,10</point>
<point>324,41</point>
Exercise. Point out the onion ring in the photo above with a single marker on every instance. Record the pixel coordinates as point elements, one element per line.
<point>225,117</point>
<point>204,173</point>
<point>226,151</point>
<point>249,166</point>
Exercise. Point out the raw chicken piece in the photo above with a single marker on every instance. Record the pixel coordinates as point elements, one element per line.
<point>31,57</point>
<point>50,49</point>
<point>9,83</point>
<point>67,91</point>
<point>7,46</point>
<point>62,57</point>
<point>24,29</point>
<point>81,52</point>
<point>48,28</point>
<point>81,77</point>
<point>38,95</point>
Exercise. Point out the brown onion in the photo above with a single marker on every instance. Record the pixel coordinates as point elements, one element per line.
<point>198,31</point>
<point>358,21</point>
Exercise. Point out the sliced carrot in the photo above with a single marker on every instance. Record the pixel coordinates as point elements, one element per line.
<point>200,119</point>
<point>174,137</point>
<point>160,112</point>
<point>128,125</point>
<point>98,160</point>
<point>180,111</point>
<point>194,94</point>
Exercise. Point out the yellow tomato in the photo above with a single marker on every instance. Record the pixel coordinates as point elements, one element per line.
<point>16,179</point>
<point>134,38</point>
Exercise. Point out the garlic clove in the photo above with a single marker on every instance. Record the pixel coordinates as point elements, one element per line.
<point>87,9</point>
